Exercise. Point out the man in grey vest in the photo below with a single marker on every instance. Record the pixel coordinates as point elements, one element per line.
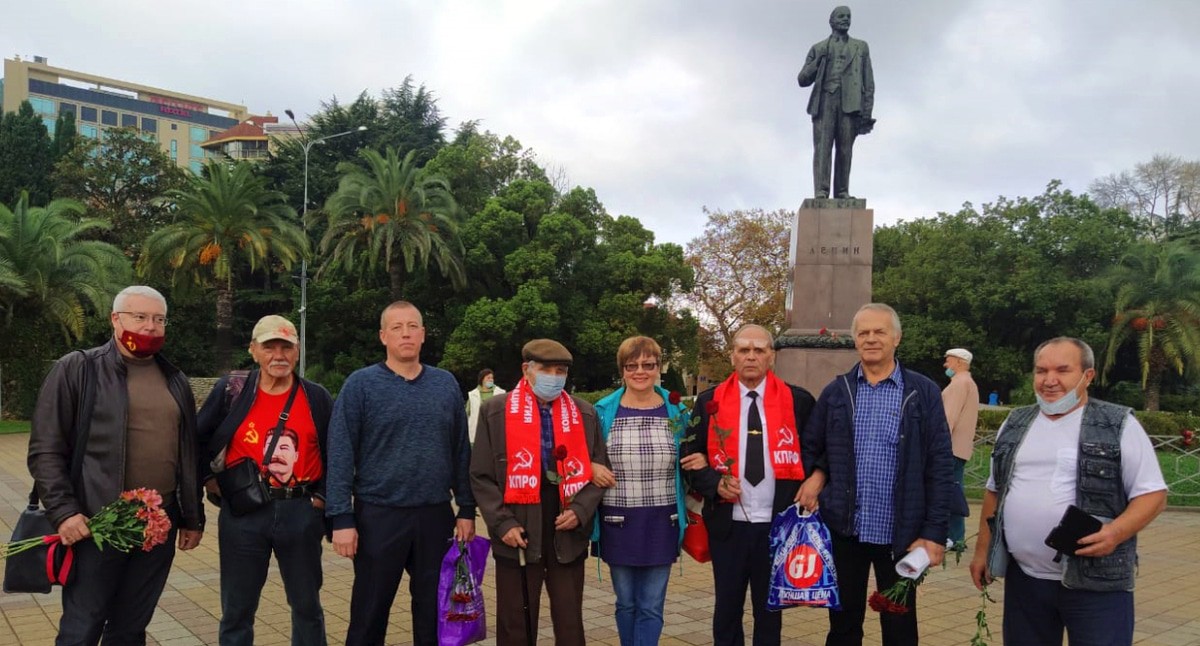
<point>1067,450</point>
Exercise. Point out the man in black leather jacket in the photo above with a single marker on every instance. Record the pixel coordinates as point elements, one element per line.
<point>140,433</point>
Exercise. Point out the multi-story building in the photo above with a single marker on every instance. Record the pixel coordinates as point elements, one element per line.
<point>181,123</point>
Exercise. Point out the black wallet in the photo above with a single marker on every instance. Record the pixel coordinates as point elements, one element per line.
<point>1074,525</point>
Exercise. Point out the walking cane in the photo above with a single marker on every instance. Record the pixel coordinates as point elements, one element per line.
<point>525,591</point>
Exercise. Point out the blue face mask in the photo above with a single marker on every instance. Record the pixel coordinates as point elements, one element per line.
<point>1063,404</point>
<point>548,387</point>
<point>950,372</point>
<point>487,385</point>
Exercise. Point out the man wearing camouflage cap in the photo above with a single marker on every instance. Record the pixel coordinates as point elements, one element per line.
<point>530,471</point>
<point>240,421</point>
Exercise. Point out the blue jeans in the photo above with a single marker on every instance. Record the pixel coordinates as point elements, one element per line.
<point>641,591</point>
<point>293,529</point>
<point>958,524</point>
<point>1037,610</point>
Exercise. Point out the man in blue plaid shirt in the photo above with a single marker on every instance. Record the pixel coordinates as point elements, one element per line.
<point>877,451</point>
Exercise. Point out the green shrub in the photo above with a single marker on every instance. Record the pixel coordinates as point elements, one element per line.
<point>991,418</point>
<point>595,395</point>
<point>1159,423</point>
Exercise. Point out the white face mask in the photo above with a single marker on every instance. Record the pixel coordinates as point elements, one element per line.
<point>1063,404</point>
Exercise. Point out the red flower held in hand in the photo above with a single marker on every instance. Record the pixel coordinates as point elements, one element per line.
<point>674,398</point>
<point>711,407</point>
<point>560,452</point>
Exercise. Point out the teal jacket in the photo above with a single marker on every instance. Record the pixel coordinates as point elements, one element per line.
<point>606,410</point>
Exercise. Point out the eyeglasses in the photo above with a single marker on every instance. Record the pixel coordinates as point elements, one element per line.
<point>141,318</point>
<point>649,366</point>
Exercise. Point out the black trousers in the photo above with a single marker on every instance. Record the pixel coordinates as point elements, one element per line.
<point>854,561</point>
<point>391,542</point>
<point>113,594</point>
<point>743,558</point>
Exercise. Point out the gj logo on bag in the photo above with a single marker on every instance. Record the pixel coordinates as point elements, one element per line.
<point>802,571</point>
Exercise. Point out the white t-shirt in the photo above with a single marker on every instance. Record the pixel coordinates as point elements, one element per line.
<point>1043,485</point>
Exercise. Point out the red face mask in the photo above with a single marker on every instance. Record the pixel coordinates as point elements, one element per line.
<point>142,345</point>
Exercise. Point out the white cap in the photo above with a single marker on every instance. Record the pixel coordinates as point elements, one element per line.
<point>960,353</point>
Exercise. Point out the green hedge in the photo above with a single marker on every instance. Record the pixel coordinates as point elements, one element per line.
<point>1155,423</point>
<point>595,395</point>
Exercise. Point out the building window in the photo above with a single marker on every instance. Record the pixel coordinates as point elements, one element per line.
<point>129,121</point>
<point>196,152</point>
<point>197,134</point>
<point>89,131</point>
<point>197,166</point>
<point>174,146</point>
<point>108,117</point>
<point>87,114</point>
<point>149,125</point>
<point>49,123</point>
<point>41,106</point>
<point>174,126</point>
<point>64,107</point>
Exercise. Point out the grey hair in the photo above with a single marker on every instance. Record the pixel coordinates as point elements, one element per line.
<point>137,290</point>
<point>755,326</point>
<point>1087,358</point>
<point>877,307</point>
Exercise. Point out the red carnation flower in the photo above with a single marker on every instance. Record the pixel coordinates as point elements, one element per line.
<point>674,398</point>
<point>823,331</point>
<point>711,407</point>
<point>560,452</point>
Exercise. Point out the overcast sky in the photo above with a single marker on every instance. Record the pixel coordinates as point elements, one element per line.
<point>665,107</point>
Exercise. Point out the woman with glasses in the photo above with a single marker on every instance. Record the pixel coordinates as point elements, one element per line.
<point>640,523</point>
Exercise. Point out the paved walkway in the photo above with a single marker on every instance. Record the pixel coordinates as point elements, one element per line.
<point>1167,599</point>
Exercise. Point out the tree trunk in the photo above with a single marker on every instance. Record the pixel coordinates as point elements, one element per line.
<point>396,278</point>
<point>1153,387</point>
<point>224,329</point>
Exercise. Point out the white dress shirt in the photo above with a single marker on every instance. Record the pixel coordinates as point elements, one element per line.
<point>757,501</point>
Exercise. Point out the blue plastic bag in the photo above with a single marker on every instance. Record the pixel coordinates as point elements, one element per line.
<point>802,570</point>
<point>462,618</point>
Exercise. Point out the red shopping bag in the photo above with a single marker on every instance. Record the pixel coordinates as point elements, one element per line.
<point>695,535</point>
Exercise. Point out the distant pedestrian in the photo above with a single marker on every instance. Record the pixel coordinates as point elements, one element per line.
<point>961,401</point>
<point>484,390</point>
<point>994,398</point>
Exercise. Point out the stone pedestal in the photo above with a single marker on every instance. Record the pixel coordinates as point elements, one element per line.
<point>831,255</point>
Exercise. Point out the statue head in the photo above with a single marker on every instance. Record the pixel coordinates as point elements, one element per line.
<point>839,19</point>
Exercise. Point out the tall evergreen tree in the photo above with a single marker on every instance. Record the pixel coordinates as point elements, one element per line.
<point>25,156</point>
<point>65,136</point>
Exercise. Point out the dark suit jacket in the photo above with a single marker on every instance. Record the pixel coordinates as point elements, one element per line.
<point>858,81</point>
<point>718,516</point>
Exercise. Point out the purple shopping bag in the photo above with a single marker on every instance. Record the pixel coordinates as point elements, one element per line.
<point>461,615</point>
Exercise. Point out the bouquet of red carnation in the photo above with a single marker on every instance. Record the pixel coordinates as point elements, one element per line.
<point>465,600</point>
<point>461,617</point>
<point>135,519</point>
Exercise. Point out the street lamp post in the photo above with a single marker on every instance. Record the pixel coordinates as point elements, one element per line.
<point>307,145</point>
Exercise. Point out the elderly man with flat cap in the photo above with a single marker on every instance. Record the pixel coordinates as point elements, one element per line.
<point>531,474</point>
<point>961,401</point>
<point>278,421</point>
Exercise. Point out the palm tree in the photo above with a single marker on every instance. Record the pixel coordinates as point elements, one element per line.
<point>226,219</point>
<point>47,269</point>
<point>394,211</point>
<point>1157,303</point>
